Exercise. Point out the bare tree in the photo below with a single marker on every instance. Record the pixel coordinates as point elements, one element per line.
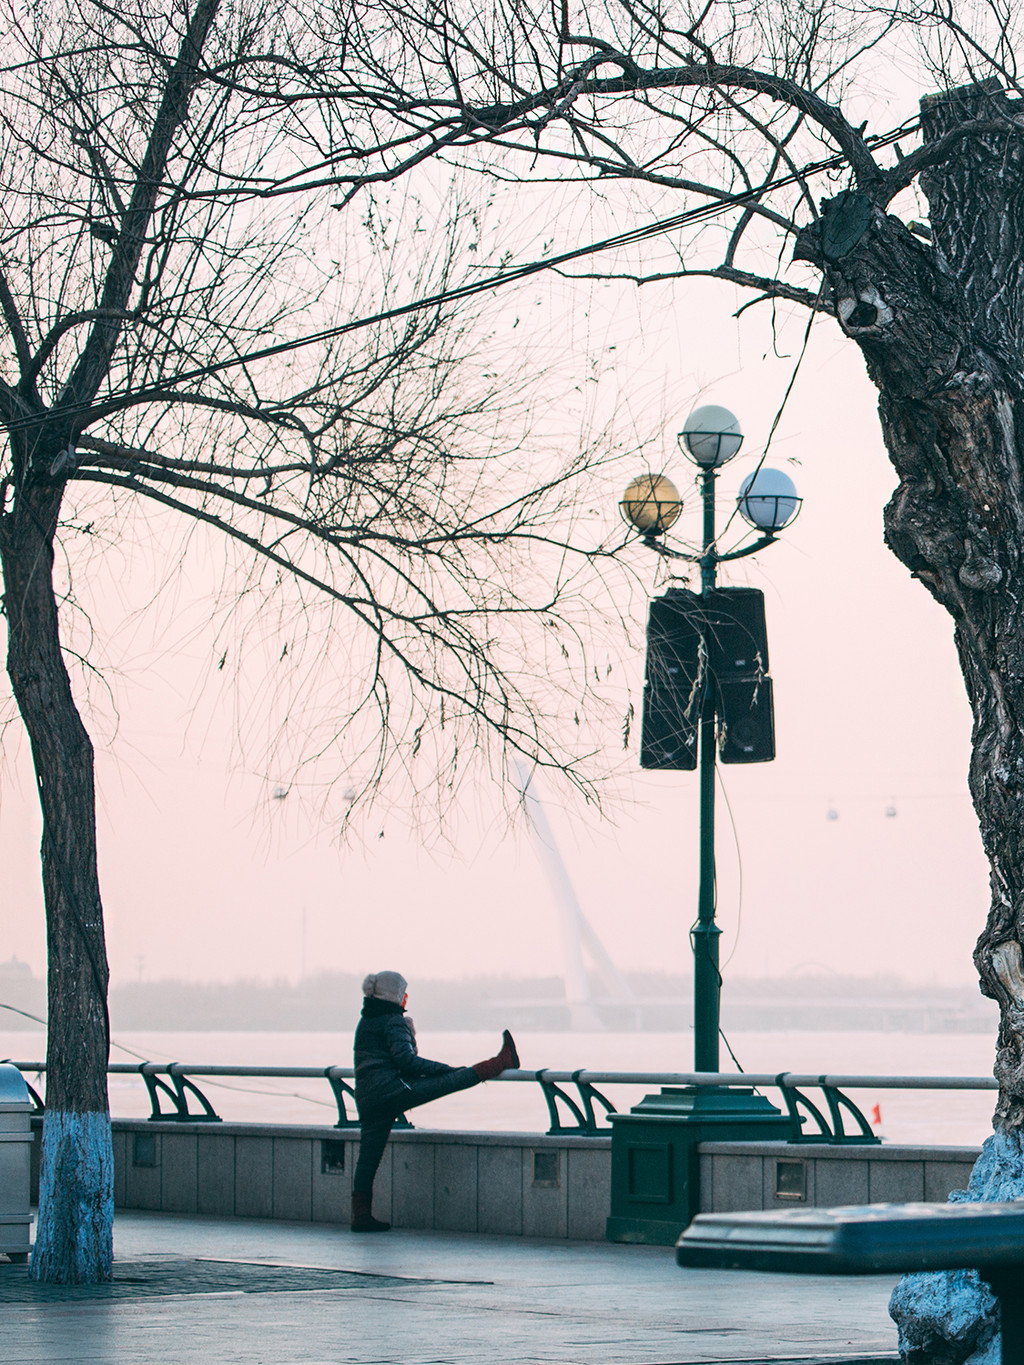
<point>179,332</point>
<point>807,175</point>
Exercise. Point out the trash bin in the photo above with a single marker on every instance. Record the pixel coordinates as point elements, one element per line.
<point>15,1163</point>
<point>655,1165</point>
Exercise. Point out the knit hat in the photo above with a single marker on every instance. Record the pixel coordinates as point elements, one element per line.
<point>386,986</point>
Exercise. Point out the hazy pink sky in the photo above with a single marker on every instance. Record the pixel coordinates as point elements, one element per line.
<point>204,877</point>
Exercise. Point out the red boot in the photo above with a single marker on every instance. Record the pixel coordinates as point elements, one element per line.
<point>506,1060</point>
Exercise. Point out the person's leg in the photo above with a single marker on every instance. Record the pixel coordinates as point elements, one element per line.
<point>373,1138</point>
<point>434,1087</point>
<point>374,1133</point>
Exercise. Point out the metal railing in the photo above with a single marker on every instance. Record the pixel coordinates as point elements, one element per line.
<point>177,1099</point>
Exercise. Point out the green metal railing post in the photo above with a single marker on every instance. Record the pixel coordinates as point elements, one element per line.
<point>707,979</point>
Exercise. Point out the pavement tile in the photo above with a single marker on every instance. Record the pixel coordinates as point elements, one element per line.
<point>255,1292</point>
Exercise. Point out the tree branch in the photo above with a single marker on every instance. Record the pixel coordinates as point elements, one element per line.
<point>776,289</point>
<point>371,613</point>
<point>931,153</point>
<point>867,172</point>
<point>93,364</point>
<point>33,366</point>
<point>14,324</point>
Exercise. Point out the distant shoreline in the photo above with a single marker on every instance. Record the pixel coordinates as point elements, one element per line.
<point>661,1003</point>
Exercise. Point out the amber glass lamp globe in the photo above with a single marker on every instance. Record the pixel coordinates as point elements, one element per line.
<point>651,504</point>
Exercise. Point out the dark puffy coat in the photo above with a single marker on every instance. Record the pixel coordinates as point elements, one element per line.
<point>386,1058</point>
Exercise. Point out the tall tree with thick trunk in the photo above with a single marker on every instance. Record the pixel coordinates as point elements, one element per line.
<point>177,295</point>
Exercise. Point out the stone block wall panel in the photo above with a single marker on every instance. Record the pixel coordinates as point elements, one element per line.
<point>215,1174</point>
<point>293,1179</point>
<point>500,1190</point>
<point>456,1183</point>
<point>179,1157</point>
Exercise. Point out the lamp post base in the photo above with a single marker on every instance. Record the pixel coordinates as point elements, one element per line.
<point>655,1162</point>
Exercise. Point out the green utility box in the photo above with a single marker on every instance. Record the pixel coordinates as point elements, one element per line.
<point>655,1165</point>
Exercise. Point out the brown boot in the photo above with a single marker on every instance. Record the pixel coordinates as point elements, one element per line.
<point>362,1219</point>
<point>506,1060</point>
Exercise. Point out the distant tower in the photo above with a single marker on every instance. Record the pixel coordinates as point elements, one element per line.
<point>577,933</point>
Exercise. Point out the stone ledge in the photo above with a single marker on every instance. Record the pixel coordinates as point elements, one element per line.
<point>437,1137</point>
<point>847,1151</point>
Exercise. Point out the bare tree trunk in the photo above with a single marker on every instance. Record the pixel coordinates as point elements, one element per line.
<point>74,1236</point>
<point>940,326</point>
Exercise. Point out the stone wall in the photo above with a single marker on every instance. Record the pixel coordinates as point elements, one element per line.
<point>517,1184</point>
<point>513,1184</point>
<point>773,1175</point>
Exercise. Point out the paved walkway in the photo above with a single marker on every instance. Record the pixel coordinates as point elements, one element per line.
<point>206,1291</point>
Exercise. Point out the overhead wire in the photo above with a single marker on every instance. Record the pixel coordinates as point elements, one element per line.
<point>739,866</point>
<point>24,1013</point>
<point>739,906</point>
<point>503,277</point>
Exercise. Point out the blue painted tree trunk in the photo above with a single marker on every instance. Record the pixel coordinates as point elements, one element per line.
<point>74,1234</point>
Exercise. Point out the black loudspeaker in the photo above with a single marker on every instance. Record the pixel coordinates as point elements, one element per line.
<point>736,635</point>
<point>746,718</point>
<point>673,687</point>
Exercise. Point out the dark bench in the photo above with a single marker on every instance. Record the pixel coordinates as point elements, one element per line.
<point>875,1239</point>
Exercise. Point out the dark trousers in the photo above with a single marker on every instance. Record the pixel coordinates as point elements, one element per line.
<point>375,1124</point>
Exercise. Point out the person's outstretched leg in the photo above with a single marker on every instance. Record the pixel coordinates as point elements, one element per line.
<point>506,1060</point>
<point>436,1087</point>
<point>373,1138</point>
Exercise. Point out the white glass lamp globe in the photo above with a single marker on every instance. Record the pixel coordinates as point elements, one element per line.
<point>651,504</point>
<point>768,499</point>
<point>712,435</point>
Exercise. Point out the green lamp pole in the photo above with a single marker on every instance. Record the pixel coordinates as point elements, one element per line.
<point>655,1190</point>
<point>711,436</point>
<point>705,934</point>
<point>768,502</point>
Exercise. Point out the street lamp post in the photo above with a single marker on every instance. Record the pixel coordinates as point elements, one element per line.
<point>768,502</point>
<point>691,661</point>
